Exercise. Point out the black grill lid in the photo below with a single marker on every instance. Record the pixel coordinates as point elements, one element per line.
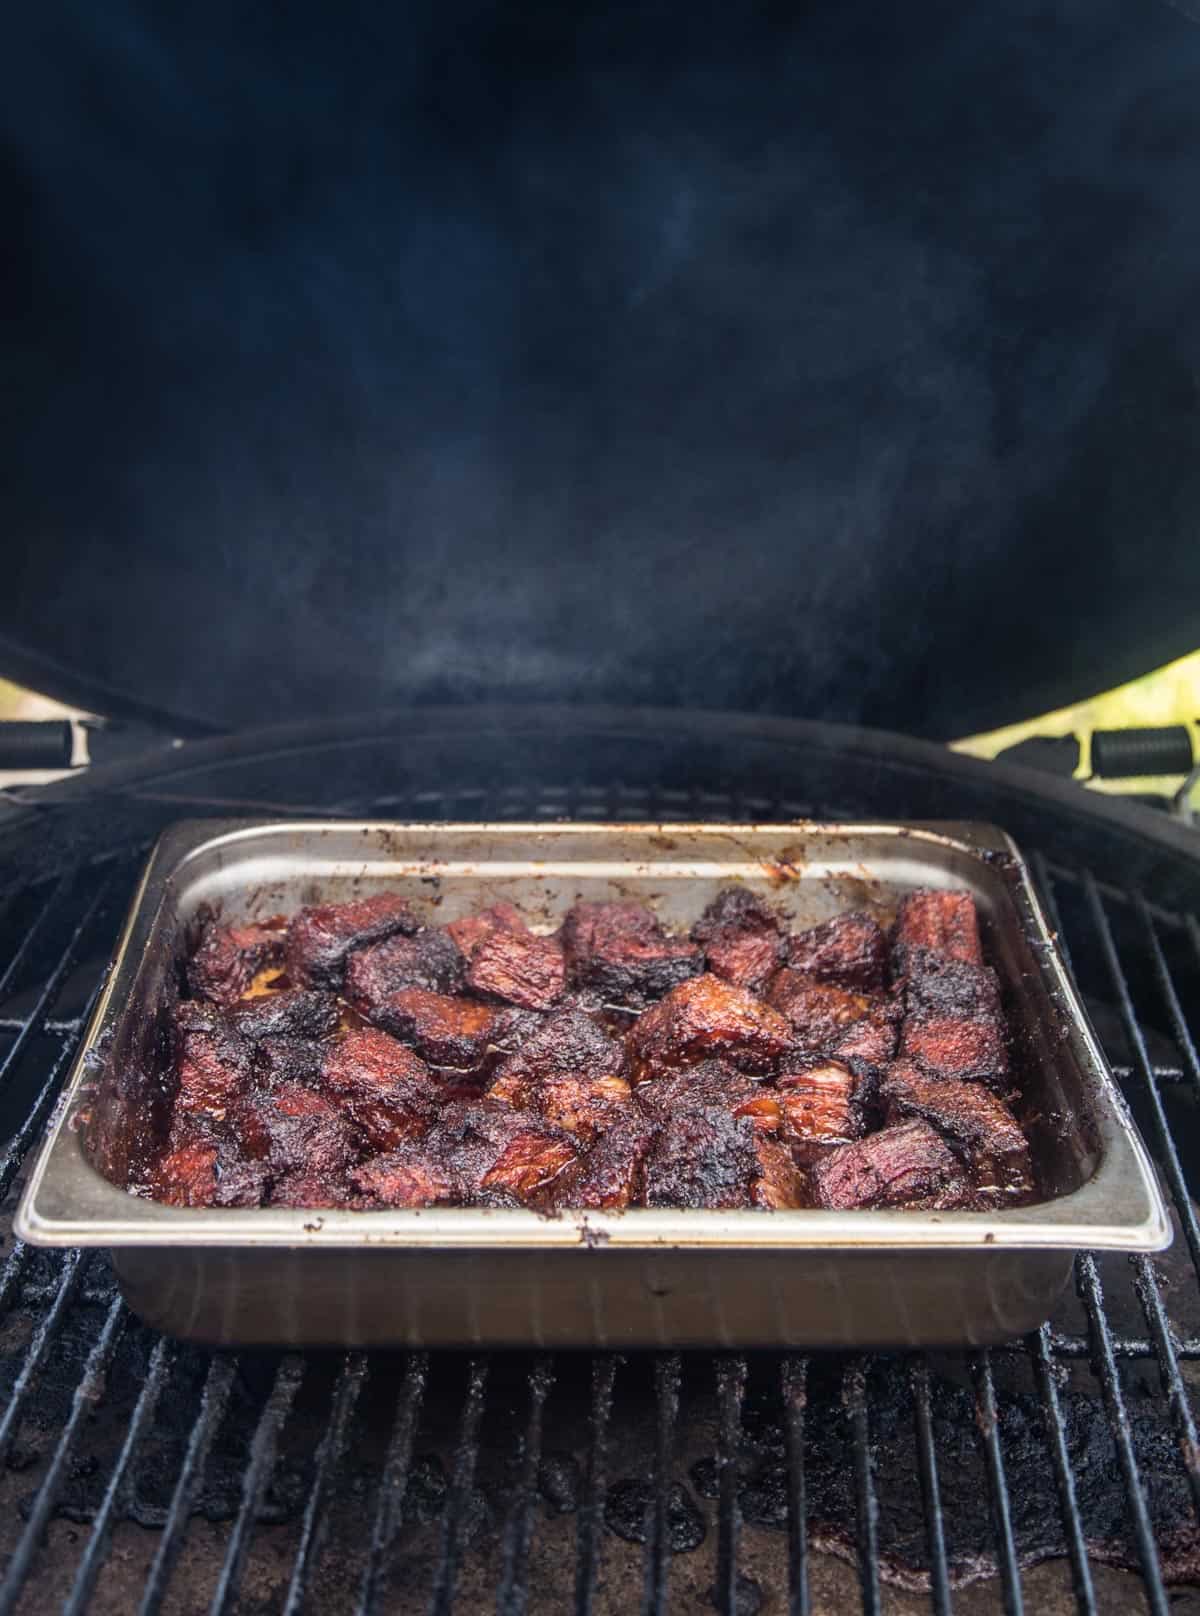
<point>826,363</point>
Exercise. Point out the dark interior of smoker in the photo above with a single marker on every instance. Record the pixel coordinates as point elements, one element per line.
<point>704,362</point>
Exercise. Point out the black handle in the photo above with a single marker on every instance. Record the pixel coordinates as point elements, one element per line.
<point>1124,754</point>
<point>47,744</point>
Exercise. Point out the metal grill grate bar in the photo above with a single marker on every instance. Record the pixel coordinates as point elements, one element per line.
<point>794,1389</point>
<point>258,1474</point>
<point>87,1393</point>
<point>74,1265</point>
<point>927,1458</point>
<point>466,1454</point>
<point>591,1512</point>
<point>1171,1165</point>
<point>213,1402</point>
<point>854,1397</point>
<point>989,1426</point>
<point>57,900</point>
<point>519,1528</point>
<point>731,1389</point>
<point>1052,1420</point>
<point>393,1483</point>
<point>1146,1284</point>
<point>161,1361</point>
<point>350,1381</point>
<point>1088,1285</point>
<point>658,1545</point>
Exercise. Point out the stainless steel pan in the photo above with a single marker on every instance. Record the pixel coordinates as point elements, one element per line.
<point>643,1277</point>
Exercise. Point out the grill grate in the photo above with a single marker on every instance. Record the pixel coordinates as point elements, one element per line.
<point>143,1474</point>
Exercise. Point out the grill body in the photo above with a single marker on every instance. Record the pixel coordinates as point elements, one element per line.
<point>1059,1468</point>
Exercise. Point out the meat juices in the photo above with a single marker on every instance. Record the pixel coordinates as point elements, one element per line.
<point>356,1057</point>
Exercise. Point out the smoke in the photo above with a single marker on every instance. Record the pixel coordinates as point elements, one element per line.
<point>716,356</point>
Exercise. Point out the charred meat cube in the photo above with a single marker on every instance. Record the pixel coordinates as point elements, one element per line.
<point>320,939</point>
<point>715,1086</point>
<point>611,1174</point>
<point>229,957</point>
<point>741,938</point>
<point>471,930</point>
<point>706,1017</point>
<point>213,1066</point>
<point>953,1024</point>
<point>870,1042</point>
<point>240,1182</point>
<point>408,1176</point>
<point>295,1013</point>
<point>296,1130</point>
<point>966,1114</point>
<point>621,950</point>
<point>906,1165</point>
<point>849,950</point>
<point>567,1044</point>
<point>701,1159</point>
<point>305,1190</point>
<point>493,1147</point>
<point>584,1106</point>
<point>429,959</point>
<point>286,1060</point>
<point>380,1084</point>
<point>819,1012</point>
<point>186,1176</point>
<point>778,1183</point>
<point>518,968</point>
<point>569,1072</point>
<point>944,922</point>
<point>824,1103</point>
<point>446,1030</point>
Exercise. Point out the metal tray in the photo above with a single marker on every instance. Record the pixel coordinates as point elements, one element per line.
<point>644,1277</point>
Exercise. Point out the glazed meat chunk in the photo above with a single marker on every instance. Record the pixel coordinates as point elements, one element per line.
<point>819,1012</point>
<point>320,939</point>
<point>491,1147</point>
<point>707,1017</point>
<point>954,1026</point>
<point>612,1173</point>
<point>296,1013</point>
<point>904,1165</point>
<point>621,950</point>
<point>568,1072</point>
<point>944,922</point>
<point>446,1030</point>
<point>187,1175</point>
<point>822,1102</point>
<point>849,951</point>
<point>428,959</point>
<point>715,1086</point>
<point>405,1177</point>
<point>778,1183</point>
<point>286,1060</point>
<point>742,940</point>
<point>213,1065</point>
<point>229,957</point>
<point>871,1042</point>
<point>382,1086</point>
<point>969,1116</point>
<point>471,930</point>
<point>701,1159</point>
<point>519,969</point>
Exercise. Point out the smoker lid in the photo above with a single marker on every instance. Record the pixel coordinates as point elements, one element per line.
<point>824,365</point>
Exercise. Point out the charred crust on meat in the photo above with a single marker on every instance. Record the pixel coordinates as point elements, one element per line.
<point>354,1058</point>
